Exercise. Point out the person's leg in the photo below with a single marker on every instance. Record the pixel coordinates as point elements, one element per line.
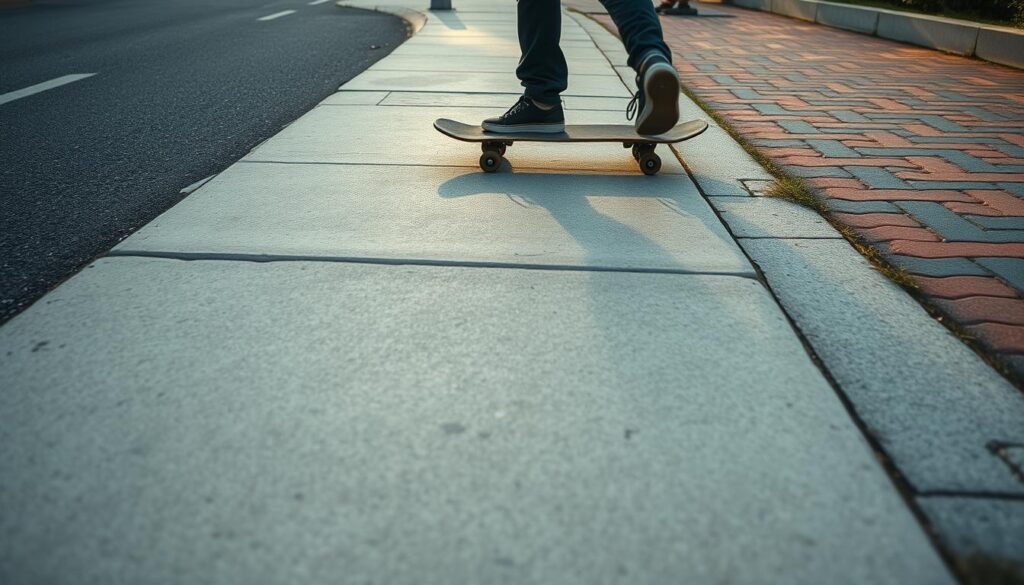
<point>640,29</point>
<point>542,71</point>
<point>542,68</point>
<point>656,104</point>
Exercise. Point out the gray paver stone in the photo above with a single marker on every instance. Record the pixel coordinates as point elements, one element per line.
<point>1009,269</point>
<point>937,266</point>
<point>311,421</point>
<point>845,206</point>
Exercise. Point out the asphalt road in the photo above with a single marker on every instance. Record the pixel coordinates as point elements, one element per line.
<point>181,89</point>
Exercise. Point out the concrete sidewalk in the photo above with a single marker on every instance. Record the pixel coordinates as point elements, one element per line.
<point>353,357</point>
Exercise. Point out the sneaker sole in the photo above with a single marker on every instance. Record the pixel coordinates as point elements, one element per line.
<point>534,128</point>
<point>661,106</point>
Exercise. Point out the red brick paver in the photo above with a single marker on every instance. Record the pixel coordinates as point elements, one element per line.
<point>934,141</point>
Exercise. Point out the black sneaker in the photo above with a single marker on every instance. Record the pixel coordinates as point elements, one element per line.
<point>656,103</point>
<point>526,116</point>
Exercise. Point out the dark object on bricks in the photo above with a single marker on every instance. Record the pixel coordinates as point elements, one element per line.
<point>676,8</point>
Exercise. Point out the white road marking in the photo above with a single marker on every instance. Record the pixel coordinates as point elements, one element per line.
<point>39,87</point>
<point>277,15</point>
<point>188,190</point>
<point>315,2</point>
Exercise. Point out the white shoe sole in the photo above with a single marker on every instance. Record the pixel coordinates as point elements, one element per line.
<point>661,103</point>
<point>534,128</point>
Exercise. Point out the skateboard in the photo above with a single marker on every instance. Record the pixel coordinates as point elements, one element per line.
<point>494,144</point>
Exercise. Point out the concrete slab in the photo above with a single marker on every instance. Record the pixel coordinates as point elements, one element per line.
<point>355,98</point>
<point>465,7</point>
<point>764,217</point>
<point>984,533</point>
<point>405,136</point>
<point>595,103</point>
<point>931,402</point>
<point>718,163</point>
<point>496,101</point>
<point>447,81</point>
<point>628,77</point>
<point>474,64</point>
<point>489,30</point>
<point>301,421</point>
<point>445,48</point>
<point>448,215</point>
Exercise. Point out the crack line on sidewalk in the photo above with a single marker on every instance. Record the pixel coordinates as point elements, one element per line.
<point>969,495</point>
<point>268,258</point>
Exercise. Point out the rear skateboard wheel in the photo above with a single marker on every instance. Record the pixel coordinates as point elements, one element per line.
<point>650,163</point>
<point>490,161</point>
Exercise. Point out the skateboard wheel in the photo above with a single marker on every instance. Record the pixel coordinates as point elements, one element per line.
<point>490,160</point>
<point>650,163</point>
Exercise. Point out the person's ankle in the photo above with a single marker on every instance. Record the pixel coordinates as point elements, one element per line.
<point>543,105</point>
<point>653,56</point>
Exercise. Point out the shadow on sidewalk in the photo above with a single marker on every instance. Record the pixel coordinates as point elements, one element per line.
<point>597,212</point>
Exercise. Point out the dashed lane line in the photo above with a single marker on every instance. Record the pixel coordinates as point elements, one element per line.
<point>276,15</point>
<point>40,87</point>
<point>315,2</point>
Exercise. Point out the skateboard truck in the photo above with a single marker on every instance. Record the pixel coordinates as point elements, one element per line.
<point>643,154</point>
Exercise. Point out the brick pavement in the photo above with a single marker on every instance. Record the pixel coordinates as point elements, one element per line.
<point>920,153</point>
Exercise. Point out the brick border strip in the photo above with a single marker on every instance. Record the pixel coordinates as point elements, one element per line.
<point>997,44</point>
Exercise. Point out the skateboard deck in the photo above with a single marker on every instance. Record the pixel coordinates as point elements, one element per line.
<point>494,144</point>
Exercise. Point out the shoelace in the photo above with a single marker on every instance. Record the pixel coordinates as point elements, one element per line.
<point>515,108</point>
<point>632,105</point>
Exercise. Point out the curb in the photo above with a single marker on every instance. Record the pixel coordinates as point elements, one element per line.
<point>997,44</point>
<point>416,19</point>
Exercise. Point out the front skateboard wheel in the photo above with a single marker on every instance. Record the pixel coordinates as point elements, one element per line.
<point>650,163</point>
<point>490,161</point>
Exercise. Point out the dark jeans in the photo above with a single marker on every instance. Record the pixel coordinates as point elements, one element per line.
<point>542,68</point>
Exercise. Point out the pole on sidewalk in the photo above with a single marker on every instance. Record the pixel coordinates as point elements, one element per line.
<point>440,4</point>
